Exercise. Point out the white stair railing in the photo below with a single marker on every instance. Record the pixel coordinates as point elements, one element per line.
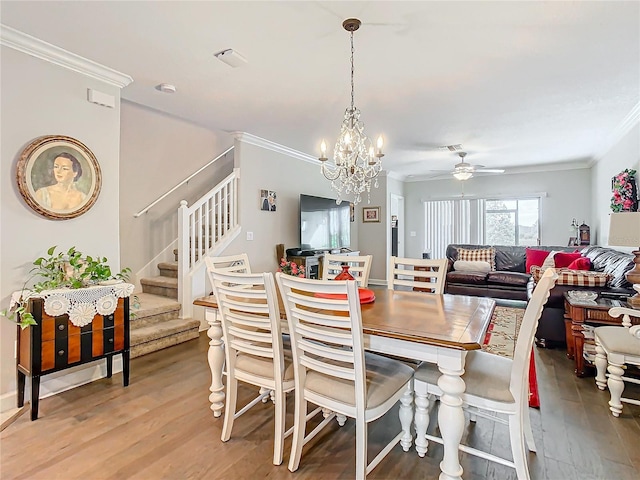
<point>203,227</point>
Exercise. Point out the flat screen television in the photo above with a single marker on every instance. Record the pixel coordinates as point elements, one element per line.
<point>324,225</point>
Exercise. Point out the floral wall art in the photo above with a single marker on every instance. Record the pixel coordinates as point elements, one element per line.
<point>625,192</point>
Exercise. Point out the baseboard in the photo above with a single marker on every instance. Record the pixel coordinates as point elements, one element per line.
<point>377,281</point>
<point>59,382</point>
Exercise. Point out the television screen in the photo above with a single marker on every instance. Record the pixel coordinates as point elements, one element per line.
<point>324,225</point>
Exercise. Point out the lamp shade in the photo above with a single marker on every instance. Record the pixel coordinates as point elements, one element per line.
<point>624,229</point>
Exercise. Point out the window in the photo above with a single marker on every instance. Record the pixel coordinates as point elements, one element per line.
<point>512,221</point>
<point>451,221</point>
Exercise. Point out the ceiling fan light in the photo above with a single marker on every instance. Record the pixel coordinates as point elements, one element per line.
<point>462,175</point>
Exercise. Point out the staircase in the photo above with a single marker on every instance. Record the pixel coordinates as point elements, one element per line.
<point>205,228</point>
<point>157,323</point>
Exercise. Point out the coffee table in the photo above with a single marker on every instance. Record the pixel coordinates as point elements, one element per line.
<point>579,316</point>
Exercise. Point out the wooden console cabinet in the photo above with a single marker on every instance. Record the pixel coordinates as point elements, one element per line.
<point>311,265</point>
<point>582,316</point>
<point>56,344</point>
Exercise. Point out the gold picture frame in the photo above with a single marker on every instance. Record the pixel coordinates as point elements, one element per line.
<point>370,214</point>
<point>59,177</point>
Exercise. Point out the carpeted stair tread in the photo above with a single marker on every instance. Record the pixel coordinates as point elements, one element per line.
<point>168,269</point>
<point>160,281</point>
<point>151,304</point>
<point>161,330</point>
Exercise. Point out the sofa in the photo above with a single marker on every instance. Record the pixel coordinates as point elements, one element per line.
<point>510,280</point>
<point>551,328</point>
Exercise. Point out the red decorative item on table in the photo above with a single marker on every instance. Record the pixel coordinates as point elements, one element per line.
<point>344,274</point>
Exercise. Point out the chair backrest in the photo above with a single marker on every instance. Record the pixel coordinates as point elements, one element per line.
<point>359,267</point>
<point>626,313</point>
<point>326,333</point>
<point>250,316</point>
<point>231,263</point>
<point>419,274</point>
<point>524,343</point>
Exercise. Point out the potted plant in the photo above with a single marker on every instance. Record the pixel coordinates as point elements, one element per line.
<point>70,269</point>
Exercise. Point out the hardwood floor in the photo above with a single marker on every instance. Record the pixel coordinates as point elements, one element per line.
<point>161,427</point>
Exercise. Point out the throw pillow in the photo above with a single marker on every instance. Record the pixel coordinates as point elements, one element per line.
<point>582,263</point>
<point>564,259</point>
<point>478,255</point>
<point>467,266</point>
<point>578,278</point>
<point>535,257</point>
<point>550,261</point>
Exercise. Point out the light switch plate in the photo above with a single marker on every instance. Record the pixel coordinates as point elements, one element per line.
<point>249,235</point>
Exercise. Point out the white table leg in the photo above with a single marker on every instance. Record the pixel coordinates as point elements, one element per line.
<point>406,414</point>
<point>421,417</point>
<point>451,415</point>
<point>215,355</point>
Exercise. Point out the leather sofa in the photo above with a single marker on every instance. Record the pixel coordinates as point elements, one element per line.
<point>511,281</point>
<point>551,327</point>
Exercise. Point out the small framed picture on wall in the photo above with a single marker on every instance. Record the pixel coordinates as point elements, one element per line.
<point>267,200</point>
<point>370,214</point>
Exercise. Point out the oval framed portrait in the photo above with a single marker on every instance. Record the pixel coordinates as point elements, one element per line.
<point>59,177</point>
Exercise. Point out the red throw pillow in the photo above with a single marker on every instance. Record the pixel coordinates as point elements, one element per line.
<point>535,257</point>
<point>564,259</point>
<point>582,263</point>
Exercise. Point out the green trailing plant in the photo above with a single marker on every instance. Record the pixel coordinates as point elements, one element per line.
<point>70,269</point>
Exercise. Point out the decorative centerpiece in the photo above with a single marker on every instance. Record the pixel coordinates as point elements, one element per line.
<point>344,274</point>
<point>291,268</point>
<point>63,275</point>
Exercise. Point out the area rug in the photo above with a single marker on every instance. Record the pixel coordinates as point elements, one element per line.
<point>501,340</point>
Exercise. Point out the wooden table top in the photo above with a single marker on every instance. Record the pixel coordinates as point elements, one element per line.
<point>452,321</point>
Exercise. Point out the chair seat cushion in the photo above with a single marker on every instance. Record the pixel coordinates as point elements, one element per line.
<point>618,340</point>
<point>263,367</point>
<point>486,376</point>
<point>385,377</point>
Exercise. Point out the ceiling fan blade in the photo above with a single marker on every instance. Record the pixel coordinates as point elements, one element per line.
<point>490,170</point>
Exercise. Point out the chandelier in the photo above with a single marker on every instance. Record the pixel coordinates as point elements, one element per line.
<point>356,162</point>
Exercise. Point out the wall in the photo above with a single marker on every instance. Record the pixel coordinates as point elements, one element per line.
<point>261,168</point>
<point>624,154</point>
<point>157,152</point>
<point>32,107</point>
<point>568,196</point>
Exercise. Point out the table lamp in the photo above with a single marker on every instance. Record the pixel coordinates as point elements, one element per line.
<point>624,231</point>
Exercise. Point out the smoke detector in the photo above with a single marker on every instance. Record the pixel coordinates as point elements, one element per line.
<point>166,88</point>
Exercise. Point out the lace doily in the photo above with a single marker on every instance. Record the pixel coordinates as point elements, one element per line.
<point>81,304</point>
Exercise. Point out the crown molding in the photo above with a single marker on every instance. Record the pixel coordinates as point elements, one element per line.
<point>627,123</point>
<point>35,47</point>
<point>274,147</point>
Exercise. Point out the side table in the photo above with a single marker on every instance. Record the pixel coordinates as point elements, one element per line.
<point>55,344</point>
<point>577,315</point>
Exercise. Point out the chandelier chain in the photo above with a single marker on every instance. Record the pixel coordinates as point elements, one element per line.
<point>352,84</point>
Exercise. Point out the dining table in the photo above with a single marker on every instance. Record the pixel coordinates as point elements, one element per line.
<point>416,326</point>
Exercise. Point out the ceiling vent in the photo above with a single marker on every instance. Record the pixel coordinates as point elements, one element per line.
<point>231,58</point>
<point>451,148</point>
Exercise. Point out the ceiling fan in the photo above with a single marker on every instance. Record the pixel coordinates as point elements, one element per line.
<point>464,170</point>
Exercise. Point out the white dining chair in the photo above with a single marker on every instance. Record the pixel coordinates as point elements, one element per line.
<point>617,347</point>
<point>230,263</point>
<point>254,350</point>
<point>359,267</point>
<point>493,384</point>
<point>333,371</point>
<point>417,274</point>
